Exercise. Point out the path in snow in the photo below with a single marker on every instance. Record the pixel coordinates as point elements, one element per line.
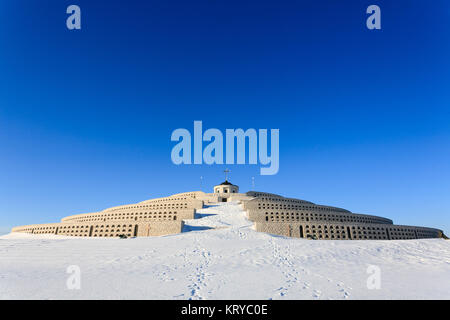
<point>220,256</point>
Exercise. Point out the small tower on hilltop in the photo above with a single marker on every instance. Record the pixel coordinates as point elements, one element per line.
<point>226,188</point>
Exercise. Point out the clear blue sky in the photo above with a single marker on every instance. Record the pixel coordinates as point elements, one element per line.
<point>86,116</point>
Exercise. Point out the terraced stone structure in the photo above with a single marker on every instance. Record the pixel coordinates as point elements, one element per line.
<point>302,219</point>
<point>271,213</point>
<point>153,217</point>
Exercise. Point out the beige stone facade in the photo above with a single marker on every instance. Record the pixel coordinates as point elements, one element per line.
<point>111,229</point>
<point>271,213</point>
<point>303,219</point>
<point>153,217</point>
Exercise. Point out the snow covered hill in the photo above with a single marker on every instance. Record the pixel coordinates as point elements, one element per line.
<point>220,256</point>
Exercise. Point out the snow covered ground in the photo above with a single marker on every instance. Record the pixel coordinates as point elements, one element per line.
<point>220,256</point>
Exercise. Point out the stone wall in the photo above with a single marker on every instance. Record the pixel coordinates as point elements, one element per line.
<point>297,218</point>
<point>310,215</point>
<point>341,231</point>
<point>148,218</point>
<point>133,214</point>
<point>128,228</point>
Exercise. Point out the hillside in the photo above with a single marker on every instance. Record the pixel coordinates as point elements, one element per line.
<point>220,256</point>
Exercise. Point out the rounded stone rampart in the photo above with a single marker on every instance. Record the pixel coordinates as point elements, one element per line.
<point>146,218</point>
<point>268,215</point>
<point>346,231</point>
<point>128,228</point>
<point>297,218</point>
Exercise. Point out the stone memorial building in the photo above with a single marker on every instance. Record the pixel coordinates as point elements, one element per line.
<point>270,213</point>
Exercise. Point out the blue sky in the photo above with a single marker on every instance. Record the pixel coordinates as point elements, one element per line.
<point>86,116</point>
